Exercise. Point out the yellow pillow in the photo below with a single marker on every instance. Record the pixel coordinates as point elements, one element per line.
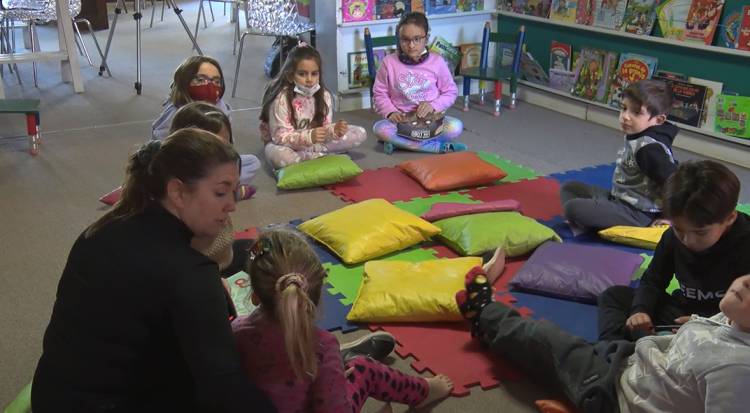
<point>642,237</point>
<point>368,229</point>
<point>416,292</point>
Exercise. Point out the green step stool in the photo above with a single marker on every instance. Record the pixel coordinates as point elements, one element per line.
<point>30,108</point>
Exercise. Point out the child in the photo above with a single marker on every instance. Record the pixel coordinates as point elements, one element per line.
<point>297,365</point>
<point>198,78</point>
<point>706,249</point>
<point>415,80</point>
<point>643,164</point>
<point>704,367</point>
<point>296,122</point>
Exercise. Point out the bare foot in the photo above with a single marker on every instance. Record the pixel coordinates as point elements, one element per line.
<point>440,387</point>
<point>495,266</point>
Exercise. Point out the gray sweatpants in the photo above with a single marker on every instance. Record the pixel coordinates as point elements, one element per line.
<point>590,206</point>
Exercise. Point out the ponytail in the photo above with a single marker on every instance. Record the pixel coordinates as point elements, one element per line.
<point>296,313</point>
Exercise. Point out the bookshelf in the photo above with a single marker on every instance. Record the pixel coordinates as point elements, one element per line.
<point>336,39</point>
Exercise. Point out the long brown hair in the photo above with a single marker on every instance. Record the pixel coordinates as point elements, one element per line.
<point>188,155</point>
<point>284,83</point>
<point>184,74</point>
<point>287,277</point>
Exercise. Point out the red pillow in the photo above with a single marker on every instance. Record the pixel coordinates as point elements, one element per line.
<point>452,170</point>
<point>112,197</point>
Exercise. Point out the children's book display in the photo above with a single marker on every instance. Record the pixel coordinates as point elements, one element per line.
<point>450,53</point>
<point>467,5</point>
<point>743,36</point>
<point>609,13</point>
<point>559,55</point>
<point>672,16</point>
<point>538,8</point>
<point>505,53</point>
<point>631,68</point>
<point>440,6</point>
<point>358,74</point>
<point>702,20</point>
<point>470,55</point>
<point>563,10</point>
<point>594,72</point>
<point>585,12</point>
<point>391,9</point>
<point>687,102</point>
<point>639,17</point>
<point>729,28</point>
<point>356,10</point>
<point>732,115</point>
<point>561,79</point>
<point>532,70</point>
<point>713,90</point>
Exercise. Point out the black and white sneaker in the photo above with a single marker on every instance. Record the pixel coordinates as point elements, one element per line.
<point>377,345</point>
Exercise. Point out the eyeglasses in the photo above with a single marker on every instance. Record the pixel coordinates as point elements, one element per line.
<point>203,80</point>
<point>415,40</point>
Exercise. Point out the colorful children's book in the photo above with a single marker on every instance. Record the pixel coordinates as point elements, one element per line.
<point>358,75</point>
<point>391,9</point>
<point>743,37</point>
<point>713,90</point>
<point>732,115</point>
<point>672,15</point>
<point>631,68</point>
<point>539,8</point>
<point>639,17</point>
<point>687,102</point>
<point>585,12</point>
<point>563,10</point>
<point>702,20</point>
<point>559,55</point>
<point>356,10</point>
<point>469,5</point>
<point>470,55</point>
<point>440,6</point>
<point>505,5</point>
<point>380,54</point>
<point>667,75</point>
<point>562,79</point>
<point>450,53</point>
<point>504,54</point>
<point>593,74</point>
<point>729,28</point>
<point>532,70</point>
<point>609,13</point>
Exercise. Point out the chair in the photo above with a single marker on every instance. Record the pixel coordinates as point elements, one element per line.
<point>496,73</point>
<point>30,108</point>
<point>370,44</point>
<point>276,18</point>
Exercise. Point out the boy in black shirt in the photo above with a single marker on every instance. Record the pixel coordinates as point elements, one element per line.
<point>707,247</point>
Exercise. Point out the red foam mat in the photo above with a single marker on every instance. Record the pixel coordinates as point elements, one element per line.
<point>391,184</point>
<point>539,198</point>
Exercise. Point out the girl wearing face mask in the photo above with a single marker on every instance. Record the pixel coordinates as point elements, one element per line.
<point>296,122</point>
<point>415,81</point>
<point>198,78</point>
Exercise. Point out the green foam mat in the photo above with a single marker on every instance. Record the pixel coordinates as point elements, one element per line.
<point>673,284</point>
<point>515,171</point>
<point>345,280</point>
<point>744,208</point>
<point>419,206</point>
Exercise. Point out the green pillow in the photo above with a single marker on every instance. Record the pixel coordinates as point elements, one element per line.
<point>476,234</point>
<point>329,169</point>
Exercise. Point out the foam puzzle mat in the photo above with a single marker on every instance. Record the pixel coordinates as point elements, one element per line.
<point>419,206</point>
<point>599,175</point>
<point>539,198</point>
<point>390,183</point>
<point>514,171</point>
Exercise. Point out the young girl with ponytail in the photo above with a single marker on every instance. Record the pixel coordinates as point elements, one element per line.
<point>297,365</point>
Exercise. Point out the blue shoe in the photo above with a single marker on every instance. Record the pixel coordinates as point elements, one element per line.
<point>453,147</point>
<point>388,148</point>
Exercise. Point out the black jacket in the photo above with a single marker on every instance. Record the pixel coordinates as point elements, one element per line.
<point>652,159</point>
<point>704,277</point>
<point>140,324</point>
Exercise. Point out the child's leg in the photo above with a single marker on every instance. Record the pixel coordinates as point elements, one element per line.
<point>574,190</point>
<point>354,136</point>
<point>615,305</point>
<point>280,156</point>
<point>385,130</point>
<point>592,207</point>
<point>452,129</point>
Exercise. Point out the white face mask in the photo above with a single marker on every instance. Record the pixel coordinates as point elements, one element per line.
<point>306,91</point>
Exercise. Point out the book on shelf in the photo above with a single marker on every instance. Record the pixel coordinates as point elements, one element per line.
<point>379,54</point>
<point>702,20</point>
<point>563,10</point>
<point>391,9</point>
<point>417,5</point>
<point>609,13</point>
<point>505,53</point>
<point>687,102</point>
<point>639,17</point>
<point>505,5</point>
<point>357,65</point>
<point>732,115</point>
<point>469,5</point>
<point>559,55</point>
<point>713,90</point>
<point>668,75</point>
<point>631,68</point>
<point>729,28</point>
<point>450,53</point>
<point>532,70</point>
<point>593,74</point>
<point>356,10</point>
<point>471,54</point>
<point>585,12</point>
<point>672,16</point>
<point>743,36</point>
<point>561,79</point>
<point>538,8</point>
<point>440,6</point>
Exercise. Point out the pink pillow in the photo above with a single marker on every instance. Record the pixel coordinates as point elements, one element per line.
<point>112,197</point>
<point>442,210</point>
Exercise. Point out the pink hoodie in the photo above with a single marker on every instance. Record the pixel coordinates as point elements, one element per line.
<point>400,88</point>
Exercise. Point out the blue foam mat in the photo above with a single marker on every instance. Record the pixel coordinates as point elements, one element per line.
<point>562,229</point>
<point>334,314</point>
<point>321,251</point>
<point>599,175</point>
<point>576,318</point>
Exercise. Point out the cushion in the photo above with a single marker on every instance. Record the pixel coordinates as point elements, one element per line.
<point>111,197</point>
<point>452,170</point>
<point>642,237</point>
<point>554,406</point>
<point>368,229</point>
<point>442,210</point>
<point>574,271</point>
<point>478,233</point>
<point>325,170</point>
<point>414,292</point>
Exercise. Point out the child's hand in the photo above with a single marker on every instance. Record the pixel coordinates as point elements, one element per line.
<point>397,117</point>
<point>319,135</point>
<point>424,109</point>
<point>640,321</point>
<point>340,128</point>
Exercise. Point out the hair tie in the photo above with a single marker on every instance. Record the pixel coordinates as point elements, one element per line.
<point>288,279</point>
<point>147,152</point>
<point>302,43</point>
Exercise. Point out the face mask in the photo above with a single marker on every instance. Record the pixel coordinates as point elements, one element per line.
<point>306,91</point>
<point>403,58</point>
<point>206,93</point>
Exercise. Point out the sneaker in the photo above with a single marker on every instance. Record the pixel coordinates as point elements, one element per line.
<point>377,345</point>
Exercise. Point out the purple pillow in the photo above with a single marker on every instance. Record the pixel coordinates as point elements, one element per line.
<point>575,272</point>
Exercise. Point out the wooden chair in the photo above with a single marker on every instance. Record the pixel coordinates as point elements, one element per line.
<point>370,44</point>
<point>495,72</point>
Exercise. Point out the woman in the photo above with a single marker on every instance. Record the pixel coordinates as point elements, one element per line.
<point>141,321</point>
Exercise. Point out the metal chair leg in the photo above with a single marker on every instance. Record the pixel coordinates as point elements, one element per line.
<point>79,41</point>
<point>237,67</point>
<point>153,12</point>
<point>96,42</point>
<point>211,9</point>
